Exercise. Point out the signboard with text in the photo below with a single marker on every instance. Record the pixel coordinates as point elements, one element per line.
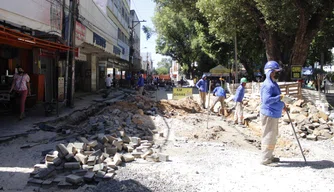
<point>179,93</point>
<point>61,89</point>
<point>296,72</point>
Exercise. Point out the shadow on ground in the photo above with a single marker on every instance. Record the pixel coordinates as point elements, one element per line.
<point>323,164</point>
<point>120,186</point>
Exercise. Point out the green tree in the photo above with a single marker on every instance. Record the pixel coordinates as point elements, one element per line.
<point>176,37</point>
<point>165,62</point>
<point>162,71</point>
<point>322,43</point>
<point>286,28</point>
<point>220,47</point>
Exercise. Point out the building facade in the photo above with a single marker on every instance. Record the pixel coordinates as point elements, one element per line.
<point>66,46</point>
<point>31,37</point>
<point>135,41</point>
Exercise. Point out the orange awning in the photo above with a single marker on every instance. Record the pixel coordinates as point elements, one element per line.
<point>18,39</point>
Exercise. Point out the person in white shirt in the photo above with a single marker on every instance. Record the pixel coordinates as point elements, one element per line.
<point>108,82</point>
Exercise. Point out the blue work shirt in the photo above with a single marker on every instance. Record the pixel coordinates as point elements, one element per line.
<point>140,81</point>
<point>219,91</point>
<point>202,85</point>
<point>239,94</point>
<point>271,105</point>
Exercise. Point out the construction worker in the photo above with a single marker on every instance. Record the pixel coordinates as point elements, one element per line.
<point>239,96</point>
<point>203,89</point>
<point>271,111</point>
<point>220,94</point>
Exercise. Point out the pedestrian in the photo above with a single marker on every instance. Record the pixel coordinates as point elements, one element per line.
<point>203,89</point>
<point>270,112</point>
<point>108,81</point>
<point>156,82</point>
<point>220,94</point>
<point>21,86</point>
<point>140,84</point>
<point>239,96</point>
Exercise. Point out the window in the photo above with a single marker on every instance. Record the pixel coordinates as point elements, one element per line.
<point>119,34</point>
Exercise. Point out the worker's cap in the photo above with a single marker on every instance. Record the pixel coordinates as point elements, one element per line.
<point>243,80</point>
<point>217,84</point>
<point>203,76</point>
<point>272,65</point>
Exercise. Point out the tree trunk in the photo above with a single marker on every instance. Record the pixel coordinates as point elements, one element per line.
<point>308,27</point>
<point>272,46</point>
<point>250,71</point>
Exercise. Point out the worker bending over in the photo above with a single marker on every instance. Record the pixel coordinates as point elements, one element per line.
<point>220,94</point>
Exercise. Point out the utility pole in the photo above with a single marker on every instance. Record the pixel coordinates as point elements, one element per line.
<point>236,58</point>
<point>147,65</point>
<point>72,64</point>
<point>70,61</point>
<point>68,51</point>
<point>132,49</point>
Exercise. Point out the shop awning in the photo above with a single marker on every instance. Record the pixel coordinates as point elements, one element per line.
<point>18,39</point>
<point>219,69</point>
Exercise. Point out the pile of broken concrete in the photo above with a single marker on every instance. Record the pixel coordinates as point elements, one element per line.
<point>87,161</point>
<point>121,133</point>
<point>310,122</point>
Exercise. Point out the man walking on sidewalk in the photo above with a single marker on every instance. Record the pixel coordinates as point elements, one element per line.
<point>108,81</point>
<point>239,96</point>
<point>203,89</point>
<point>271,111</point>
<point>220,94</point>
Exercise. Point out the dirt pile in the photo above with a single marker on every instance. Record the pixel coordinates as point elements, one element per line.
<point>182,106</point>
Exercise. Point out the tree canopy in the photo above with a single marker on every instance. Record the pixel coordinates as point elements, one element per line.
<point>292,32</point>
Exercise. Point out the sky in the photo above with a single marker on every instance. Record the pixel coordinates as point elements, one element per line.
<point>145,11</point>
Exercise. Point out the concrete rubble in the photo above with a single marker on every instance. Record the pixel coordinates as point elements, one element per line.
<point>118,134</point>
<point>310,121</point>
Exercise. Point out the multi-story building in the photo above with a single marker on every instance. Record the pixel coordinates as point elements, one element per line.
<point>135,41</point>
<point>36,36</point>
<point>147,62</point>
<point>174,71</point>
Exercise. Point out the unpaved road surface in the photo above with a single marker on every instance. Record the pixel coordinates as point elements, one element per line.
<point>226,166</point>
<point>220,158</point>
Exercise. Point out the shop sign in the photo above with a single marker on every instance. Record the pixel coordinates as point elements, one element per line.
<point>99,41</point>
<point>61,89</point>
<point>80,33</point>
<point>296,72</point>
<point>179,93</point>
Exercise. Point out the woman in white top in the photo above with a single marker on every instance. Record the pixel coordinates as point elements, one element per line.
<point>21,86</point>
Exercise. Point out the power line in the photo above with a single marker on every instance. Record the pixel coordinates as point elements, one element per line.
<point>136,9</point>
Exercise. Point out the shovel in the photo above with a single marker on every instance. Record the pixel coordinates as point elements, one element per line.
<point>294,131</point>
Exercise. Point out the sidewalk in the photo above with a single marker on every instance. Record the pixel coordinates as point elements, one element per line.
<point>313,96</point>
<point>10,124</point>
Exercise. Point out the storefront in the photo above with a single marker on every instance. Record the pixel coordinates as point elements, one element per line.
<point>39,58</point>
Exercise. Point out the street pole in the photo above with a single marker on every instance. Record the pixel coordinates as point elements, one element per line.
<point>72,64</point>
<point>131,47</point>
<point>68,51</point>
<point>236,58</point>
<point>147,65</point>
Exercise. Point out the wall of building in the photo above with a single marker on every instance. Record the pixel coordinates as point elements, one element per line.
<point>134,20</point>
<point>39,15</point>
